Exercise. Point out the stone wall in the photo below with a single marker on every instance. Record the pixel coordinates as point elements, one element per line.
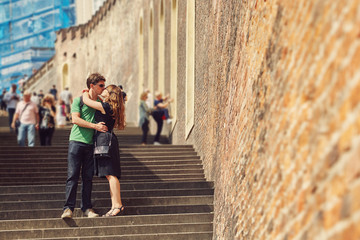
<point>277,113</point>
<point>106,44</point>
<point>45,73</point>
<point>278,116</point>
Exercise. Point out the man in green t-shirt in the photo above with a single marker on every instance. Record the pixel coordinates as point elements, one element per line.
<point>80,152</point>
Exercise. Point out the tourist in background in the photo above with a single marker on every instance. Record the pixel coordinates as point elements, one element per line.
<point>61,114</point>
<point>40,95</point>
<point>160,107</point>
<point>162,104</point>
<point>2,103</point>
<point>11,99</point>
<point>144,117</point>
<point>35,98</point>
<point>53,91</point>
<point>28,114</point>
<point>112,112</point>
<point>66,97</point>
<point>47,113</point>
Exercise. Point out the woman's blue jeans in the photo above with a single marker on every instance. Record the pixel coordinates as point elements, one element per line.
<point>80,157</point>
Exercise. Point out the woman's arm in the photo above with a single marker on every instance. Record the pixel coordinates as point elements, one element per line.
<point>50,107</point>
<point>162,105</point>
<point>76,119</point>
<point>93,104</point>
<point>145,107</point>
<point>52,112</point>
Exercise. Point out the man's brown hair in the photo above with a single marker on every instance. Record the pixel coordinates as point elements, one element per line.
<point>94,79</point>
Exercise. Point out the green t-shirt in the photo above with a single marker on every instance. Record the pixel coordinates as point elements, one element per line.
<point>81,134</point>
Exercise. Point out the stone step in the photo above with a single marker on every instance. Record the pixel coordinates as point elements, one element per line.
<point>124,172</point>
<point>16,169</point>
<point>15,197</point>
<point>124,177</point>
<point>106,201</point>
<point>163,188</point>
<point>65,142</point>
<point>156,236</point>
<point>105,187</point>
<point>94,222</point>
<point>51,150</point>
<point>107,230</point>
<point>24,182</point>
<point>27,159</point>
<point>43,163</point>
<point>133,147</point>
<point>39,154</point>
<point>25,213</point>
<point>141,148</point>
<point>66,133</point>
<point>122,139</point>
<point>65,136</point>
<point>58,138</point>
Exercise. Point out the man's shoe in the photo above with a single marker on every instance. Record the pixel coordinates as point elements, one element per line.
<point>157,143</point>
<point>90,213</point>
<point>67,213</point>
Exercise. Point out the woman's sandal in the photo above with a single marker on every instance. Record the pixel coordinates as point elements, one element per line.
<point>110,213</point>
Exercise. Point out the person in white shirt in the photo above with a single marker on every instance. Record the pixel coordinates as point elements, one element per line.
<point>35,98</point>
<point>11,98</point>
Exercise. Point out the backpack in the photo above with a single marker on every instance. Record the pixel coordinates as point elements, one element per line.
<point>81,102</point>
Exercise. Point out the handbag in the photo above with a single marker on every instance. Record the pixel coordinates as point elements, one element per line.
<point>17,123</point>
<point>102,144</point>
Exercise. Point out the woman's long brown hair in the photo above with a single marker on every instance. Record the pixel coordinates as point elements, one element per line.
<point>115,99</point>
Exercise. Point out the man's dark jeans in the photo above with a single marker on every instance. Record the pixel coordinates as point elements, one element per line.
<point>11,112</point>
<point>159,121</point>
<point>80,155</point>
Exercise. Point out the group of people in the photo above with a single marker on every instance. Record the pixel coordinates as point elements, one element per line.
<point>100,109</point>
<point>159,111</point>
<point>63,102</point>
<point>31,112</point>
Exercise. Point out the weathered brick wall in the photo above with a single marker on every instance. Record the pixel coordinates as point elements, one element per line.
<point>277,113</point>
<point>278,116</point>
<point>109,47</point>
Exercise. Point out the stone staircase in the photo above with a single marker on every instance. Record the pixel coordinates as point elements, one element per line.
<point>163,188</point>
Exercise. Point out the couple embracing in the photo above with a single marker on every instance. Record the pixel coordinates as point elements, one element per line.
<point>90,113</point>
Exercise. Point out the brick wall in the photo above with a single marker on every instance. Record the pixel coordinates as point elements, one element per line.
<point>277,113</point>
<point>278,116</point>
<point>109,46</point>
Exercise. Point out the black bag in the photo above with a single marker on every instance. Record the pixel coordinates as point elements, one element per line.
<point>17,123</point>
<point>102,143</point>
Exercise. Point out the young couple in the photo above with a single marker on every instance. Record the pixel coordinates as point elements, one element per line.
<point>94,114</point>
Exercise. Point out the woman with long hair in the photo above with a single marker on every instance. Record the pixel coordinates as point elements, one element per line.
<point>112,112</point>
<point>47,113</point>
